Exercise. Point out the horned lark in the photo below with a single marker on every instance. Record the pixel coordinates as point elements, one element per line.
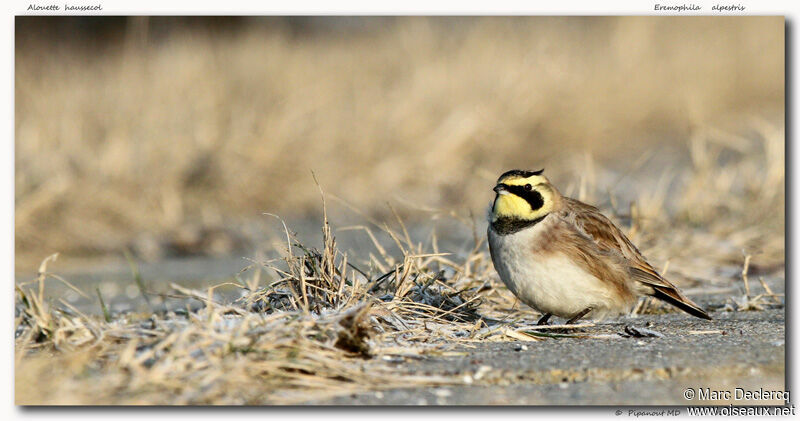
<point>564,258</point>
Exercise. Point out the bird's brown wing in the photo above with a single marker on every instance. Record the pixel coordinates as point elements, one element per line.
<point>590,222</point>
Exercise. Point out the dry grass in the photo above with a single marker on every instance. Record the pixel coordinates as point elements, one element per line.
<point>188,128</point>
<point>305,336</point>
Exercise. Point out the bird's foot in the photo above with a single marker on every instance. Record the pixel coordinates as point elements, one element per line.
<point>578,316</point>
<point>543,320</point>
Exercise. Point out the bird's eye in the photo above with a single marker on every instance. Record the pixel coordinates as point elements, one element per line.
<point>528,187</point>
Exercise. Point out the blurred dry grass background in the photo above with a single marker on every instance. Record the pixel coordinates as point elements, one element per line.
<point>169,125</point>
<point>146,126</point>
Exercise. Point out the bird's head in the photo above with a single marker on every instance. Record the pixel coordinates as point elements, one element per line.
<point>524,196</point>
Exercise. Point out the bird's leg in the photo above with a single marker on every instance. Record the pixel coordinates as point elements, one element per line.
<point>579,315</point>
<point>544,319</point>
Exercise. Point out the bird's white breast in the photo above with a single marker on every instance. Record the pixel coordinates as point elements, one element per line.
<point>549,282</point>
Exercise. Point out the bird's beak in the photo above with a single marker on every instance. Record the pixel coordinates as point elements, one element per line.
<point>501,189</point>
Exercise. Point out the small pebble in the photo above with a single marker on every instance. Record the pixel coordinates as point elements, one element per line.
<point>442,393</point>
<point>482,370</point>
<point>640,332</point>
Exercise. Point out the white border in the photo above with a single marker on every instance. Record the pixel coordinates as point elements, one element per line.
<point>412,7</point>
<point>309,7</point>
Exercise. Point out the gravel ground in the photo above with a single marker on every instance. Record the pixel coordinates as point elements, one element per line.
<point>737,349</point>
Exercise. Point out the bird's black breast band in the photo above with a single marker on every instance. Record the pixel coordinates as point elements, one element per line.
<point>505,226</point>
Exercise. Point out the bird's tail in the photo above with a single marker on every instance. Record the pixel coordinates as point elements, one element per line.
<point>674,297</point>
